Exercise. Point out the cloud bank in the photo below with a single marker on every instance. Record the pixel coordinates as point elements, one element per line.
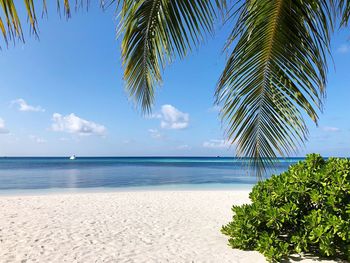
<point>76,125</point>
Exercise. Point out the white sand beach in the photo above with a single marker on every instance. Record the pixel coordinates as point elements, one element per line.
<point>149,226</point>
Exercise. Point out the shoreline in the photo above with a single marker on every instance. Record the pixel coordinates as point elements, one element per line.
<point>148,188</point>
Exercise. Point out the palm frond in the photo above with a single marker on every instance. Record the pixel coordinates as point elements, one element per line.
<point>154,33</point>
<point>344,9</point>
<point>11,22</point>
<point>11,26</point>
<point>275,73</point>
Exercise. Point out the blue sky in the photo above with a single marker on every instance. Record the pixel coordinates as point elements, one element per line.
<point>64,94</point>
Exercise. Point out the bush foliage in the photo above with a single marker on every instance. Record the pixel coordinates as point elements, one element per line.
<point>304,210</point>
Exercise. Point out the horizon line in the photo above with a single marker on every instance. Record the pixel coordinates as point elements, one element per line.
<point>149,156</point>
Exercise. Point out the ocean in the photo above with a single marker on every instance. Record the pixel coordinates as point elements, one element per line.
<point>62,174</point>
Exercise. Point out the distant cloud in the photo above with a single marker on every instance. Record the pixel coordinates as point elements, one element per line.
<point>172,118</point>
<point>37,139</point>
<point>215,108</point>
<point>216,144</point>
<point>155,134</point>
<point>76,125</point>
<point>330,129</point>
<point>344,48</point>
<point>322,138</point>
<point>183,147</point>
<point>24,106</point>
<point>154,116</point>
<point>3,129</point>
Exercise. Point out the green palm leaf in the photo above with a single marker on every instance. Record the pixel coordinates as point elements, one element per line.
<point>10,22</point>
<point>155,32</point>
<point>344,8</point>
<point>276,71</point>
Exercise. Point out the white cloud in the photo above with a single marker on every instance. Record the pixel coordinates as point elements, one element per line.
<point>330,129</point>
<point>172,118</point>
<point>215,108</point>
<point>216,144</point>
<point>155,134</point>
<point>76,125</point>
<point>183,147</point>
<point>3,129</point>
<point>154,116</point>
<point>24,106</point>
<point>344,49</point>
<point>37,139</point>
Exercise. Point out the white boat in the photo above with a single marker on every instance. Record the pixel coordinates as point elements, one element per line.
<point>72,157</point>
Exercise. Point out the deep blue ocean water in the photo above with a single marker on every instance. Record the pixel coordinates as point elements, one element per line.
<point>120,172</point>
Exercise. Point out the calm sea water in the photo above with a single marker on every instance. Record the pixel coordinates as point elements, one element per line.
<point>121,172</point>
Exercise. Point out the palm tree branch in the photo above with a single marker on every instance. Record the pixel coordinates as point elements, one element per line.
<point>344,11</point>
<point>275,72</point>
<point>155,32</point>
<point>10,21</point>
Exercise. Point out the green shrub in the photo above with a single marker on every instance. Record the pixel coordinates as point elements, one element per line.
<point>304,210</point>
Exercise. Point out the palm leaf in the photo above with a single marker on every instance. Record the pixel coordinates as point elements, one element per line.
<point>10,21</point>
<point>344,8</point>
<point>154,33</point>
<point>275,73</point>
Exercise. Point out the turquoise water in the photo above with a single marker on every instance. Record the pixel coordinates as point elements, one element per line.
<point>52,174</point>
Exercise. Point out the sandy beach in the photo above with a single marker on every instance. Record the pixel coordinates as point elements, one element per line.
<point>149,226</point>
